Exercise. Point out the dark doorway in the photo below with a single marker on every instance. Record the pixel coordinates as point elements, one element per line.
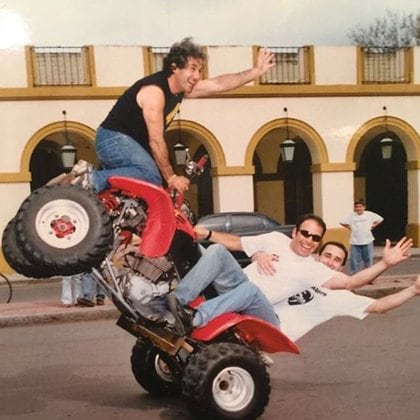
<point>386,188</point>
<point>45,163</point>
<point>297,178</point>
<point>204,185</point>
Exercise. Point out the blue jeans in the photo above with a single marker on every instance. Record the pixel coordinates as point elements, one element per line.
<point>91,288</point>
<point>72,289</point>
<point>236,293</point>
<point>121,155</point>
<point>361,256</point>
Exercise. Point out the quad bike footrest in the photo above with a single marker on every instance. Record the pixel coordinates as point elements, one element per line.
<point>160,337</point>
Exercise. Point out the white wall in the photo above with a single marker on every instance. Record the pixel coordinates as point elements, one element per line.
<point>118,65</point>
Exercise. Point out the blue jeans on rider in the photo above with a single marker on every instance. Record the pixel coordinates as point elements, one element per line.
<point>236,293</point>
<point>121,155</point>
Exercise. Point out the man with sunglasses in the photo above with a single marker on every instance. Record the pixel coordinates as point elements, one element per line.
<point>311,307</point>
<point>289,262</point>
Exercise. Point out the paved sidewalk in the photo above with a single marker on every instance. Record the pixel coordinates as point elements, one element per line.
<point>42,312</point>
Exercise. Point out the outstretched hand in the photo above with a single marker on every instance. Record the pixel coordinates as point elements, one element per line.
<point>395,254</point>
<point>265,61</point>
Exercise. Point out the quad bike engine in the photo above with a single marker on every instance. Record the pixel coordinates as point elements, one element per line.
<point>145,282</point>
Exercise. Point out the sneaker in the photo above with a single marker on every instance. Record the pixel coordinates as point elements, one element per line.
<point>81,167</point>
<point>265,358</point>
<point>183,316</point>
<point>87,303</point>
<point>100,301</point>
<point>84,180</point>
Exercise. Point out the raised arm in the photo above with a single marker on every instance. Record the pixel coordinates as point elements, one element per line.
<point>391,256</point>
<point>225,82</point>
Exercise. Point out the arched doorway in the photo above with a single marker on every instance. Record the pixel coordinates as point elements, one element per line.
<point>282,190</point>
<point>42,154</point>
<point>200,193</point>
<point>297,176</point>
<point>386,187</point>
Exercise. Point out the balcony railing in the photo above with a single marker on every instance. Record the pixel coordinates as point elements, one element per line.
<point>292,66</point>
<point>60,66</point>
<point>385,65</point>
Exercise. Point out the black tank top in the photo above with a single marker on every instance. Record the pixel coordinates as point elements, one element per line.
<point>127,117</point>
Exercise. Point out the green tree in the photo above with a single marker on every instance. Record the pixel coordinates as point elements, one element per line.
<point>393,30</point>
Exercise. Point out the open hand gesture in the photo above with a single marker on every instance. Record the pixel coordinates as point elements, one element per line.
<point>399,252</point>
<point>265,61</point>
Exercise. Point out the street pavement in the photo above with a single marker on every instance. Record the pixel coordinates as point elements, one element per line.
<point>41,311</point>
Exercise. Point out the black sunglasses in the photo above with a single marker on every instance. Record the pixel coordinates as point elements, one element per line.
<point>306,234</point>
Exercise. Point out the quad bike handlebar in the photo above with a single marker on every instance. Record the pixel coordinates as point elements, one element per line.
<point>191,170</point>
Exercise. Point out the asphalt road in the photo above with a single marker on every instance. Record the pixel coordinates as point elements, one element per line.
<point>348,369</point>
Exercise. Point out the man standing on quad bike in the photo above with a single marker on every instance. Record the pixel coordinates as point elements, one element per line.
<point>294,269</point>
<point>130,141</point>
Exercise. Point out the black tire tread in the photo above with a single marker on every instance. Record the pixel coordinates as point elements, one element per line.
<point>142,366</point>
<point>196,383</point>
<point>15,257</point>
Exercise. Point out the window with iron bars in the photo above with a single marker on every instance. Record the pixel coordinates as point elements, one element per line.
<point>292,66</point>
<point>61,66</point>
<point>157,54</point>
<point>385,65</point>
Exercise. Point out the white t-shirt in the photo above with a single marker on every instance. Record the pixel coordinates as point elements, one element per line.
<point>361,226</point>
<point>293,272</point>
<point>302,312</point>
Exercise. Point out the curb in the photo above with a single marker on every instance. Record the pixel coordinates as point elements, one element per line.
<point>24,314</point>
<point>387,285</point>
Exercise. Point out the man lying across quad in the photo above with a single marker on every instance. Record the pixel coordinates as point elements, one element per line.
<point>284,285</point>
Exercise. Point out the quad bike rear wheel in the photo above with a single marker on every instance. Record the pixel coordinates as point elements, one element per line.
<point>65,228</point>
<point>151,371</point>
<point>226,381</point>
<point>16,258</point>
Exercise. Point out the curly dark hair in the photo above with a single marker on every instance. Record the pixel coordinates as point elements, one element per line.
<point>179,54</point>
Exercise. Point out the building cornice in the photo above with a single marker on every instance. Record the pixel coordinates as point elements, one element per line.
<point>94,92</point>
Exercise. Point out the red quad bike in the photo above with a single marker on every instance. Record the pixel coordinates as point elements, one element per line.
<point>138,241</point>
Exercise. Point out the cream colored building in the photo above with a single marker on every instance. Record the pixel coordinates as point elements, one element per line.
<point>332,107</point>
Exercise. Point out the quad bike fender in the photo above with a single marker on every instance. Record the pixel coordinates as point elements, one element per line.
<point>253,330</point>
<point>161,223</point>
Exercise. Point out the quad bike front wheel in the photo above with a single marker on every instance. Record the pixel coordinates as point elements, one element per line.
<point>225,381</point>
<point>65,228</point>
<point>152,372</point>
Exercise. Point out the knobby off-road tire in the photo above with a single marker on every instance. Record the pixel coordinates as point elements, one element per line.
<point>226,381</point>
<point>16,258</point>
<point>151,372</point>
<point>65,228</point>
